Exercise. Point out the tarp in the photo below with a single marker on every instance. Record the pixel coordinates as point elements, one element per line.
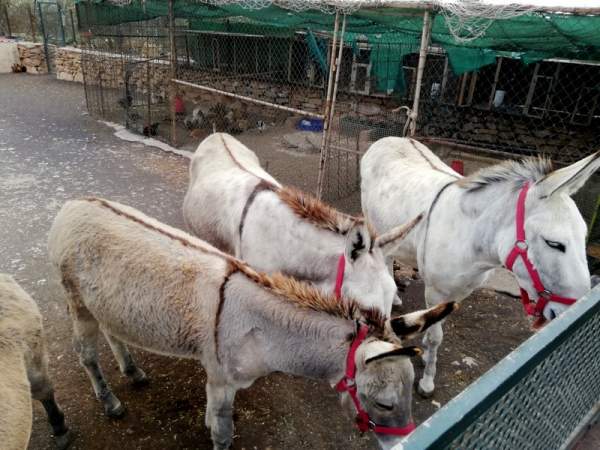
<point>532,37</point>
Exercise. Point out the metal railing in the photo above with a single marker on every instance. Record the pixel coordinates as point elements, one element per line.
<point>541,396</point>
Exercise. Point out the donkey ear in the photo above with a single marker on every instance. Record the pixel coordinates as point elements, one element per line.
<point>357,242</point>
<point>568,179</point>
<point>409,352</point>
<point>416,322</point>
<point>390,241</point>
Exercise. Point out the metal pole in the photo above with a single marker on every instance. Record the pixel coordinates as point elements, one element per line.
<point>44,37</point>
<point>73,26</point>
<point>332,109</point>
<point>7,21</point>
<point>247,99</point>
<point>425,35</point>
<point>32,24</point>
<point>321,176</point>
<point>173,61</point>
<point>62,25</point>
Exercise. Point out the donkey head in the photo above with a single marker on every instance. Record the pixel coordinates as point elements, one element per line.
<point>384,371</point>
<point>556,234</point>
<point>366,276</point>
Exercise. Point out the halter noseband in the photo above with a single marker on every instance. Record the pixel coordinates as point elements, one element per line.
<point>520,249</point>
<point>348,384</point>
<point>339,278</point>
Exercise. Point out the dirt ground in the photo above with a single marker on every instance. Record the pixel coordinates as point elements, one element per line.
<point>51,151</point>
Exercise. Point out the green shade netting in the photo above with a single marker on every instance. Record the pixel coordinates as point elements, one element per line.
<point>464,59</point>
<point>318,51</point>
<point>533,36</point>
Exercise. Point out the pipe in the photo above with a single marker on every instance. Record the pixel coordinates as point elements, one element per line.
<point>425,35</point>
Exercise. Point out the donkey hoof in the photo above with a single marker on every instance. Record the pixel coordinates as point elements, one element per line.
<point>139,379</point>
<point>425,393</point>
<point>64,440</point>
<point>115,412</point>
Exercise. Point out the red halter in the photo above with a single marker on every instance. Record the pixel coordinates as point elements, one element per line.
<point>520,249</point>
<point>348,384</point>
<point>339,278</point>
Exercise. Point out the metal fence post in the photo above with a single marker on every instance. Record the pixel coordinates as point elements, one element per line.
<point>7,21</point>
<point>425,35</point>
<point>321,176</point>
<point>44,37</point>
<point>73,26</point>
<point>32,23</point>
<point>173,61</point>
<point>61,24</point>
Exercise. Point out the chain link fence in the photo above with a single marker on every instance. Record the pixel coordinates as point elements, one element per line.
<point>126,75</point>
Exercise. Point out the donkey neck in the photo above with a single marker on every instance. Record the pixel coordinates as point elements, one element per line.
<point>285,336</point>
<point>469,228</point>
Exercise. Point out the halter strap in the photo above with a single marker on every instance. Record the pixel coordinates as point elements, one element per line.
<point>339,278</point>
<point>348,384</point>
<point>520,250</point>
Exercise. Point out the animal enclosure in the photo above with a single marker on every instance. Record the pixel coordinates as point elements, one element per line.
<point>526,87</point>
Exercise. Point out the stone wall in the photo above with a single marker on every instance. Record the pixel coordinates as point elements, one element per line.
<point>511,131</point>
<point>32,57</point>
<point>68,64</point>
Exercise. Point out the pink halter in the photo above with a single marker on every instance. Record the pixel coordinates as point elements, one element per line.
<point>348,384</point>
<point>520,249</point>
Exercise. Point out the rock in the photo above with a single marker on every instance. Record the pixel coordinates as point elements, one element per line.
<point>367,109</point>
<point>304,141</point>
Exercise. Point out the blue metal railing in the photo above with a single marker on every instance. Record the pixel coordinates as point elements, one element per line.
<point>538,397</point>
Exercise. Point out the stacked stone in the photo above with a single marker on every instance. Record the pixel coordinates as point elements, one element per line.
<point>68,64</point>
<point>32,57</point>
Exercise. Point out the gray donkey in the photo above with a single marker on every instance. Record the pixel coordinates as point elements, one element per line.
<point>150,285</point>
<point>24,369</point>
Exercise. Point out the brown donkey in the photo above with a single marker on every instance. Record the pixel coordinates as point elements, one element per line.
<point>150,285</point>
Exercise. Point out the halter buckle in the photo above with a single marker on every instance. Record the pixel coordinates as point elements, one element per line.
<point>545,294</point>
<point>522,245</point>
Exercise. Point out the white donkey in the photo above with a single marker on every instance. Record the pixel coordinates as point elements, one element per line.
<point>515,214</point>
<point>235,205</point>
<point>147,284</point>
<point>24,369</point>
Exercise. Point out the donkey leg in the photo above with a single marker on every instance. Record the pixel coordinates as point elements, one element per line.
<point>219,414</point>
<point>125,361</point>
<point>85,343</point>
<point>431,341</point>
<point>43,391</point>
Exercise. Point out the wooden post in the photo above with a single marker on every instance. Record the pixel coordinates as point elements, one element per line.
<point>425,35</point>
<point>173,61</point>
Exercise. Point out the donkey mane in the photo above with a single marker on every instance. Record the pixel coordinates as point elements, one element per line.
<point>296,292</point>
<point>318,213</point>
<point>530,169</point>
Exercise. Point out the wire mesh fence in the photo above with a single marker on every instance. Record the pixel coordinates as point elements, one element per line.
<point>250,78</point>
<point>126,75</point>
<point>239,70</point>
<point>547,107</point>
<point>540,397</point>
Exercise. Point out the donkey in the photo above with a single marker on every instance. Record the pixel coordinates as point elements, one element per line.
<point>235,205</point>
<point>146,284</point>
<point>469,228</point>
<point>24,369</point>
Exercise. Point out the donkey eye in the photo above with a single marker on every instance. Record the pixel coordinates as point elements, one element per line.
<point>384,406</point>
<point>557,245</point>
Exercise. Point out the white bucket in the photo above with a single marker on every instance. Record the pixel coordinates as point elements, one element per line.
<point>499,98</point>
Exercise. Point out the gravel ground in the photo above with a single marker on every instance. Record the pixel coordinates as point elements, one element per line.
<point>52,151</point>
